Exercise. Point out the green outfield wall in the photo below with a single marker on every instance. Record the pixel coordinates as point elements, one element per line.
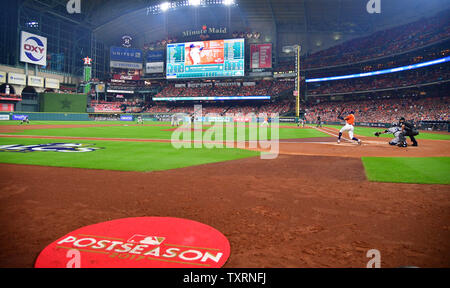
<point>56,102</point>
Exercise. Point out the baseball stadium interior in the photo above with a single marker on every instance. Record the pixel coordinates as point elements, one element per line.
<point>307,61</point>
<point>333,41</point>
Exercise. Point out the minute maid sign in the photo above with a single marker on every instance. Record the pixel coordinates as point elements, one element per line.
<point>205,30</point>
<point>33,49</point>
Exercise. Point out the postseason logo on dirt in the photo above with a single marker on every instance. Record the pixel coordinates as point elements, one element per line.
<point>51,147</point>
<point>142,242</point>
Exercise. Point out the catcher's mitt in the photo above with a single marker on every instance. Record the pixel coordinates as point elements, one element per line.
<point>377,134</point>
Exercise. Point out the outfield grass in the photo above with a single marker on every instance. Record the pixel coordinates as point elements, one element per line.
<point>429,170</point>
<point>122,156</point>
<point>368,131</point>
<point>157,132</point>
<point>33,122</point>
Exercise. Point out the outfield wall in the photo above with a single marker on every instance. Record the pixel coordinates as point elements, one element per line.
<point>42,116</point>
<point>39,116</point>
<point>60,102</point>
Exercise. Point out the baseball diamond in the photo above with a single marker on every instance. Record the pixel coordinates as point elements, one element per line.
<point>231,134</point>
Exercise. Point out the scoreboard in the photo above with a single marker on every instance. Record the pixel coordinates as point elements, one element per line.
<point>206,59</point>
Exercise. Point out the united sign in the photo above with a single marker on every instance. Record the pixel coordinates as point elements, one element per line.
<point>33,49</point>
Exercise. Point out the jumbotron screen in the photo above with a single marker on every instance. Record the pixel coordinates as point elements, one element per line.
<point>206,59</point>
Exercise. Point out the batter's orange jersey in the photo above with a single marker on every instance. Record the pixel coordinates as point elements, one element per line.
<point>350,119</point>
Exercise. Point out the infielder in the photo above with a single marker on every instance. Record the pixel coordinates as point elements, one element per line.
<point>25,120</point>
<point>300,121</point>
<point>140,120</point>
<point>349,122</point>
<point>173,120</point>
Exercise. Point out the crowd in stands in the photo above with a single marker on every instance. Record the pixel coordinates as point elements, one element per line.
<point>259,88</point>
<point>414,107</point>
<point>281,107</point>
<point>103,106</point>
<point>384,110</point>
<point>131,106</point>
<point>401,38</point>
<point>374,111</point>
<point>394,80</point>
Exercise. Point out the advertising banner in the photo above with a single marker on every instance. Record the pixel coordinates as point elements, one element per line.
<point>15,78</point>
<point>126,55</point>
<point>125,65</point>
<point>261,56</point>
<point>7,107</point>
<point>287,119</point>
<point>126,118</point>
<point>100,88</point>
<point>155,56</point>
<point>35,81</point>
<point>33,49</point>
<point>126,77</point>
<point>2,77</point>
<point>51,83</point>
<point>19,117</point>
<point>154,67</point>
<point>4,117</point>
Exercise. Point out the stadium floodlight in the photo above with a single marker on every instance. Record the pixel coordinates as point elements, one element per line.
<point>194,2</point>
<point>228,2</point>
<point>164,6</point>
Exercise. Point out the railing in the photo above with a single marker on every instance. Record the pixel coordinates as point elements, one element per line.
<point>10,97</point>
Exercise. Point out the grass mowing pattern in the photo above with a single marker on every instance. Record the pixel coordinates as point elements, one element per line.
<point>157,132</point>
<point>429,170</point>
<point>122,156</point>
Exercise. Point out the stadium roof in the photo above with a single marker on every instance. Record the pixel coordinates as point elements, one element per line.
<point>113,17</point>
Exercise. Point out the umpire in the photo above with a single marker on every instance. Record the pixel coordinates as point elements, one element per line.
<point>408,129</point>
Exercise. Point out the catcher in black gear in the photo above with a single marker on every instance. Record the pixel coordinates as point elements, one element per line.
<point>408,129</point>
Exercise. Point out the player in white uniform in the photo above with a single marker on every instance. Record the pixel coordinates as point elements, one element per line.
<point>195,53</point>
<point>349,122</point>
<point>394,130</point>
<point>265,122</point>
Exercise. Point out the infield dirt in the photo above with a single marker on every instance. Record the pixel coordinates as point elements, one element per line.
<point>293,211</point>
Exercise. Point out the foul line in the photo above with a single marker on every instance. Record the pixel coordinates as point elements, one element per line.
<point>335,135</point>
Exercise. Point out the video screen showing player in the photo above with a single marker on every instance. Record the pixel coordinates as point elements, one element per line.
<point>204,53</point>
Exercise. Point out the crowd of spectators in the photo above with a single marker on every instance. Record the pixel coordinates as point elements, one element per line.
<point>103,106</point>
<point>384,110</point>
<point>222,108</point>
<point>413,107</point>
<point>401,38</point>
<point>258,88</point>
<point>394,80</point>
<point>130,106</point>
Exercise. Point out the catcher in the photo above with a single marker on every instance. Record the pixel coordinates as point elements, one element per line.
<point>394,130</point>
<point>400,131</point>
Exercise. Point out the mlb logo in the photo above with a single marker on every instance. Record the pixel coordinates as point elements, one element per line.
<point>144,239</point>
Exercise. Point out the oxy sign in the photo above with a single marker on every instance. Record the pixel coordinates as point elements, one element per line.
<point>33,49</point>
